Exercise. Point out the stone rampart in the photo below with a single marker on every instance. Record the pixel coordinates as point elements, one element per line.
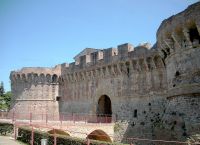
<point>35,90</point>
<point>153,92</point>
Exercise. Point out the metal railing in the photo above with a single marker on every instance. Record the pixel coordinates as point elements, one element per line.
<point>47,117</point>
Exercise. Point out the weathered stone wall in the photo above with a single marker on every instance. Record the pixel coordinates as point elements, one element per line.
<point>133,78</point>
<point>178,42</point>
<point>179,45</point>
<point>35,90</point>
<point>181,118</point>
<point>153,91</point>
<point>118,78</point>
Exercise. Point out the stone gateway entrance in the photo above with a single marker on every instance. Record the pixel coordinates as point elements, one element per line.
<point>104,107</point>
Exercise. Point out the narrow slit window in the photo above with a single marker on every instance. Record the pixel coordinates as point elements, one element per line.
<point>135,113</point>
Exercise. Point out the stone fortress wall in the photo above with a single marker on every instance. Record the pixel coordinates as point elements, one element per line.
<point>154,92</point>
<point>35,90</point>
<point>118,73</point>
<point>178,40</point>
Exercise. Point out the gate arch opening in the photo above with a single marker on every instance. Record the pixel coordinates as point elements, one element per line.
<point>99,135</point>
<point>104,109</point>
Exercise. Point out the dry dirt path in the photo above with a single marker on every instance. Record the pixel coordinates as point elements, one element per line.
<point>6,140</point>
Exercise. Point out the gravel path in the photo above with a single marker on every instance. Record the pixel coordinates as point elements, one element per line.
<point>6,140</point>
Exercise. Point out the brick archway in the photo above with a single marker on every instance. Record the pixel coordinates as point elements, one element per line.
<point>99,135</point>
<point>104,109</point>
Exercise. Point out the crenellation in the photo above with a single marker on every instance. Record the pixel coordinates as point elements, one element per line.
<point>96,57</point>
<point>29,84</point>
<point>123,50</point>
<point>110,69</point>
<point>108,54</point>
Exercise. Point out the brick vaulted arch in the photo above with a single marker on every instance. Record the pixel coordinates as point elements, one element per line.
<point>58,132</point>
<point>99,135</point>
<point>104,109</point>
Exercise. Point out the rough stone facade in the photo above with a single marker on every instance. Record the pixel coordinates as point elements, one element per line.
<point>35,90</point>
<point>153,92</point>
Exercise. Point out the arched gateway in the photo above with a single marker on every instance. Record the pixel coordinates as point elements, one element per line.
<point>104,109</point>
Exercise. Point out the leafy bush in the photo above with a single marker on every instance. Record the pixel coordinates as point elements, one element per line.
<point>25,135</point>
<point>6,128</point>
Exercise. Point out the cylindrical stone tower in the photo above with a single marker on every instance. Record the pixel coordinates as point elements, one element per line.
<point>179,45</point>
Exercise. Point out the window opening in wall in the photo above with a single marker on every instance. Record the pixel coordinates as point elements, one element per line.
<point>58,98</point>
<point>128,71</point>
<point>133,124</point>
<point>194,34</point>
<point>135,113</point>
<point>128,68</point>
<point>177,74</point>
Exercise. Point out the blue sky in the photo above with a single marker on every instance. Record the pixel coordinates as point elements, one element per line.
<point>49,32</point>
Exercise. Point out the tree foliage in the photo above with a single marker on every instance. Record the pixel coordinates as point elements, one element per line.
<point>1,89</point>
<point>5,98</point>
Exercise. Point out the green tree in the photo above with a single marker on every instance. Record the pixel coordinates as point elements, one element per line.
<point>5,98</point>
<point>1,89</point>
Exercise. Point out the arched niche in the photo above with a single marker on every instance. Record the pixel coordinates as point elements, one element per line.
<point>35,78</point>
<point>54,78</point>
<point>23,77</point>
<point>48,78</point>
<point>42,78</point>
<point>29,76</point>
<point>193,32</point>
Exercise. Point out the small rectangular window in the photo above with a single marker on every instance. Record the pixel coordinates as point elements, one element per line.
<point>135,113</point>
<point>58,98</point>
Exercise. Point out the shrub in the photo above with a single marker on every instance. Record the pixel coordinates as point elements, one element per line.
<point>6,128</point>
